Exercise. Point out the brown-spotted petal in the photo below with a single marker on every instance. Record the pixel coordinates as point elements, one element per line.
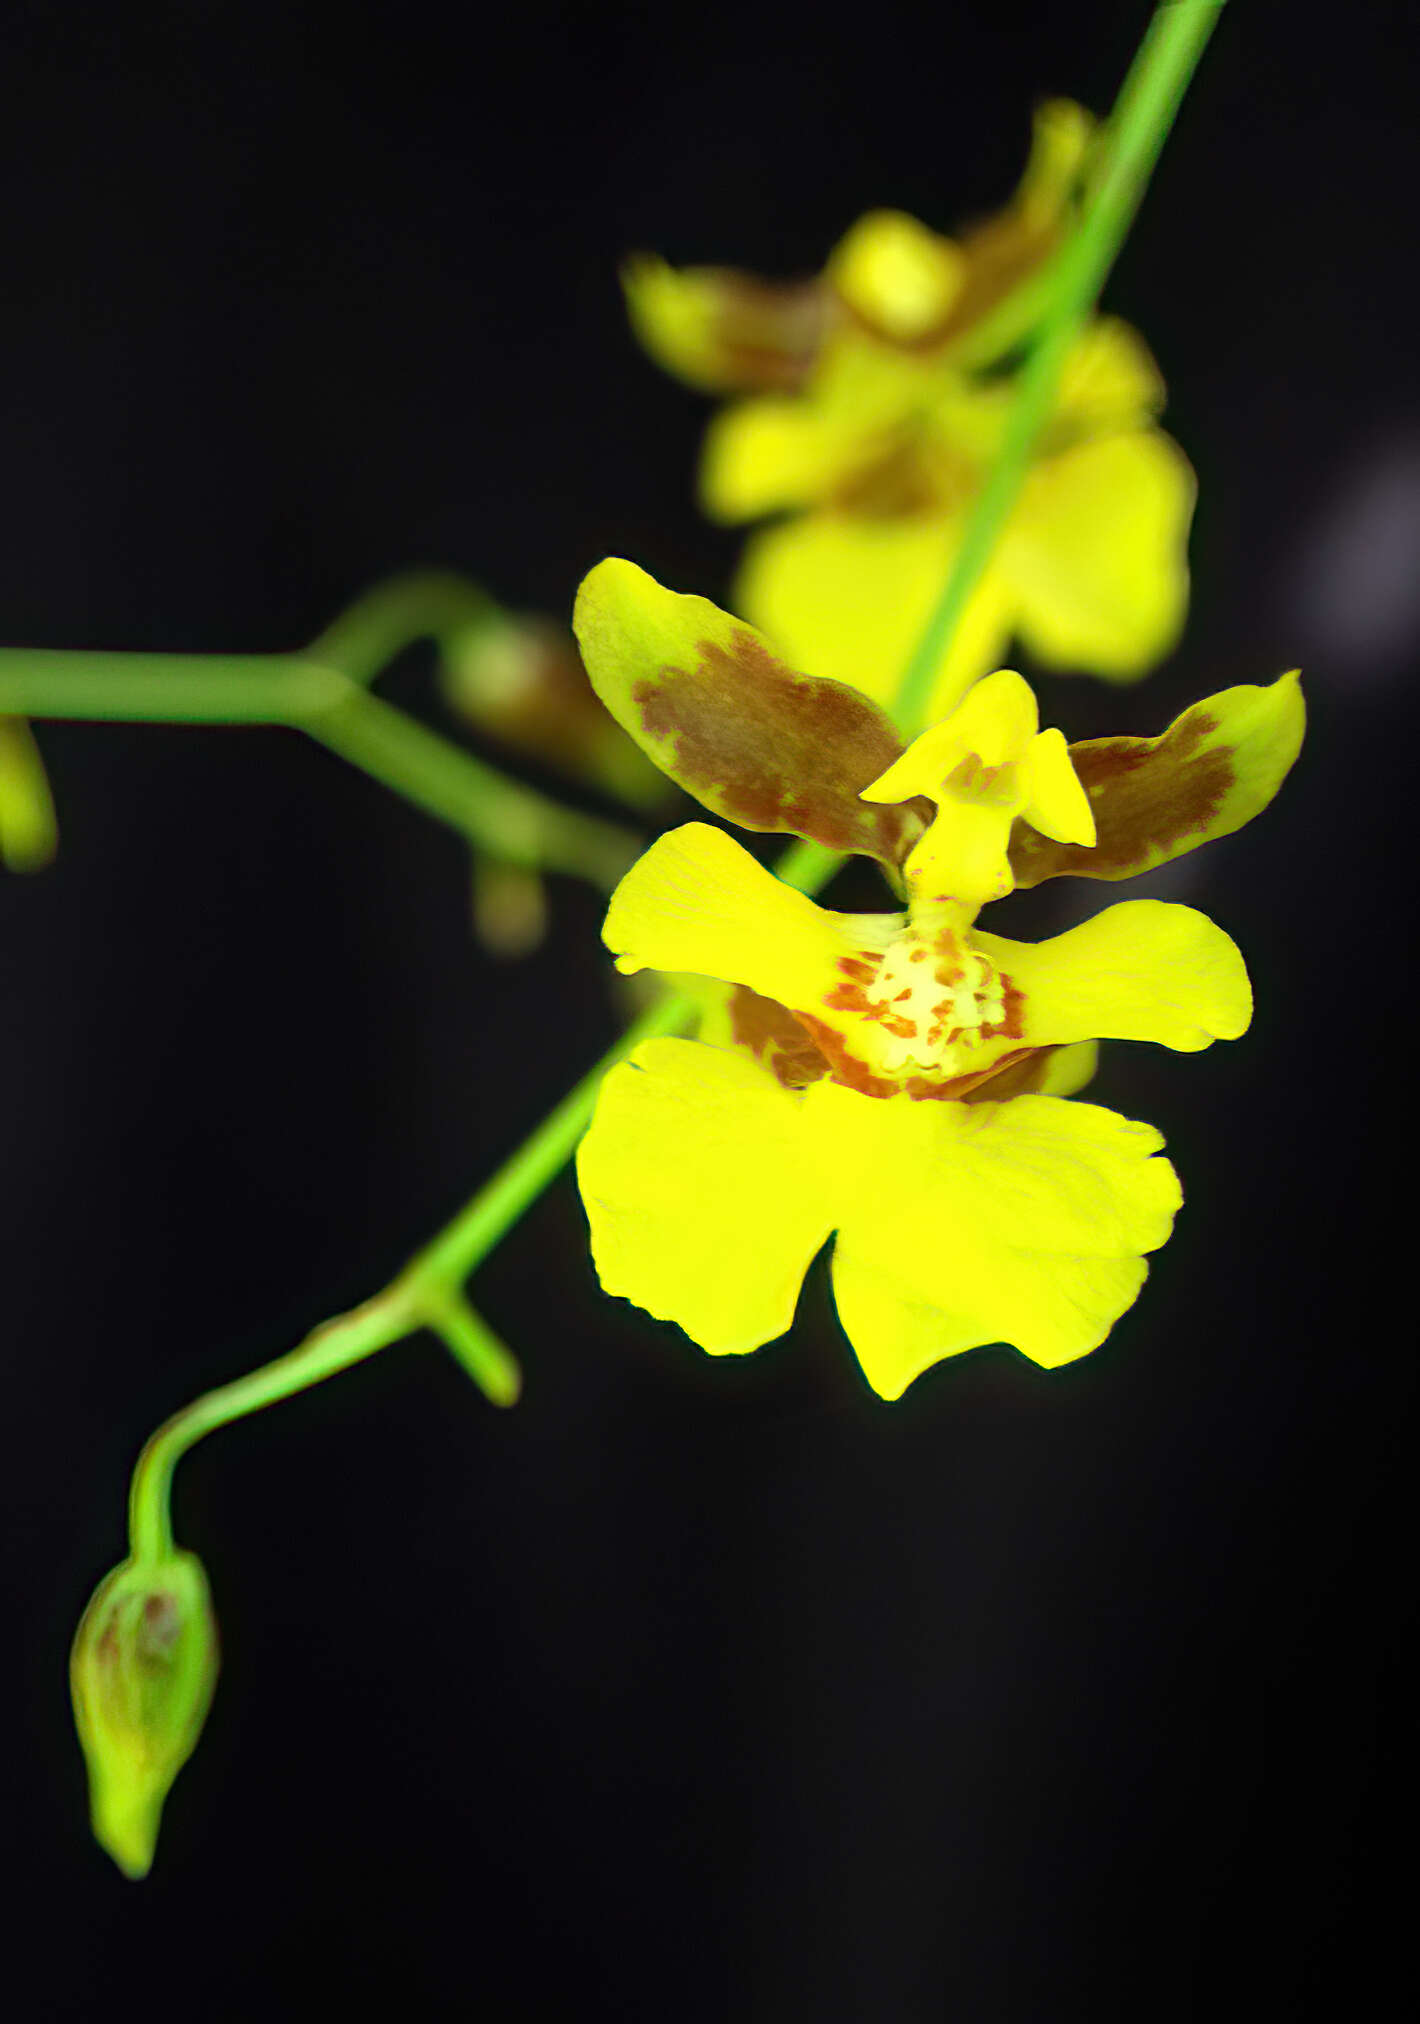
<point>724,331</point>
<point>706,699</point>
<point>1215,767</point>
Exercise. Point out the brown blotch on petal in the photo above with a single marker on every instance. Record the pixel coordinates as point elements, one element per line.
<point>767,334</point>
<point>1015,1074</point>
<point>844,1066</point>
<point>1149,796</point>
<point>924,1089</point>
<point>1019,1074</point>
<point>775,1037</point>
<point>1000,253</point>
<point>774,750</point>
<point>895,477</point>
<point>1011,1025</point>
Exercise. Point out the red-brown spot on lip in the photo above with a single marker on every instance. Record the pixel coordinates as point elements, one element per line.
<point>991,786</point>
<point>845,1066</point>
<point>775,750</point>
<point>1011,1024</point>
<point>862,969</point>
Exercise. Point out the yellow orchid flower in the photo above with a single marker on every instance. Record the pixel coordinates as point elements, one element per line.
<point>899,1081</point>
<point>871,423</point>
<point>1091,570</point>
<point>728,332</point>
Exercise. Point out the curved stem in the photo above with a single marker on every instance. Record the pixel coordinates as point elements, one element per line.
<point>508,1193</point>
<point>1143,114</point>
<point>425,604</point>
<point>334,1346</point>
<point>426,1294</point>
<point>495,813</point>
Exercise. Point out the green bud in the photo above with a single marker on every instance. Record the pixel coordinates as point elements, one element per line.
<point>28,836</point>
<point>142,1672</point>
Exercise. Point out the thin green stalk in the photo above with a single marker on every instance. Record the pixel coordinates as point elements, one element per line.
<point>488,1361</point>
<point>426,604</point>
<point>510,1192</point>
<point>426,1294</point>
<point>1143,114</point>
<point>334,1346</point>
<point>495,814</point>
<point>120,688</point>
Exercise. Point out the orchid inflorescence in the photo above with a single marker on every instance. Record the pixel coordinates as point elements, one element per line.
<point>956,458</point>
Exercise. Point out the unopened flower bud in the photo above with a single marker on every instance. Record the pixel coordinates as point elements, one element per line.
<point>509,907</point>
<point>28,837</point>
<point>522,681</point>
<point>142,1672</point>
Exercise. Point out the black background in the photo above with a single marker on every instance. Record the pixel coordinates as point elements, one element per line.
<point>687,1690</point>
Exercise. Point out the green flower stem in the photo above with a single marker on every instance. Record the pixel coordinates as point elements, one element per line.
<point>496,814</point>
<point>425,604</point>
<point>808,866</point>
<point>331,705</point>
<point>427,1293</point>
<point>1143,114</point>
<point>334,1346</point>
<point>158,688</point>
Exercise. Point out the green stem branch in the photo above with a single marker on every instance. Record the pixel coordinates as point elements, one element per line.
<point>334,1346</point>
<point>426,1294</point>
<point>426,604</point>
<point>331,705</point>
